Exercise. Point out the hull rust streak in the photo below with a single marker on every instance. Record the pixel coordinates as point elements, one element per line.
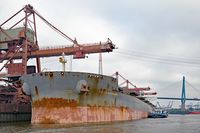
<point>84,114</point>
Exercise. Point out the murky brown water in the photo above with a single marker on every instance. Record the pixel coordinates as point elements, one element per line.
<point>172,124</point>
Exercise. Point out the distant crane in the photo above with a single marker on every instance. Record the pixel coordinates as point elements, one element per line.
<point>137,91</point>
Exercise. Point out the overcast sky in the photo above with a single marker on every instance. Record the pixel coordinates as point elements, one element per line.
<point>158,40</point>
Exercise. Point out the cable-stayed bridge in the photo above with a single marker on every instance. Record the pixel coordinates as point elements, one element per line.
<point>183,97</point>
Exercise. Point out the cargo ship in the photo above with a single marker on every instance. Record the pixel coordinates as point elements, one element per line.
<point>63,96</point>
<point>77,97</point>
<point>14,105</point>
<point>194,110</point>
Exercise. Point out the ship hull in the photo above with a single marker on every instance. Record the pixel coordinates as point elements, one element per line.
<point>71,115</point>
<point>75,97</point>
<point>195,112</point>
<point>14,112</point>
<point>14,105</point>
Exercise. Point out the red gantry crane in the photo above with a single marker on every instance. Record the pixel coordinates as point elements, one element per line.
<point>21,44</point>
<point>137,91</point>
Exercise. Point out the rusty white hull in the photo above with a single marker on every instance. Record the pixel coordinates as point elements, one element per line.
<point>75,97</point>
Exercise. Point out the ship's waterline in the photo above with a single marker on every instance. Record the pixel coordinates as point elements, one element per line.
<point>76,97</point>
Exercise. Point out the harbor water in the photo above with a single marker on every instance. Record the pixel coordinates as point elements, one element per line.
<point>172,124</point>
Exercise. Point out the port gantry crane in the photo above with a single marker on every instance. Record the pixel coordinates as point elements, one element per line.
<point>137,91</point>
<point>21,43</point>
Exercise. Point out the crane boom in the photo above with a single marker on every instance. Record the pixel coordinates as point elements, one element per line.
<point>140,89</point>
<point>77,51</point>
<point>149,93</point>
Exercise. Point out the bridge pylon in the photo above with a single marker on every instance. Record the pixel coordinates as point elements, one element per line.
<point>183,95</point>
